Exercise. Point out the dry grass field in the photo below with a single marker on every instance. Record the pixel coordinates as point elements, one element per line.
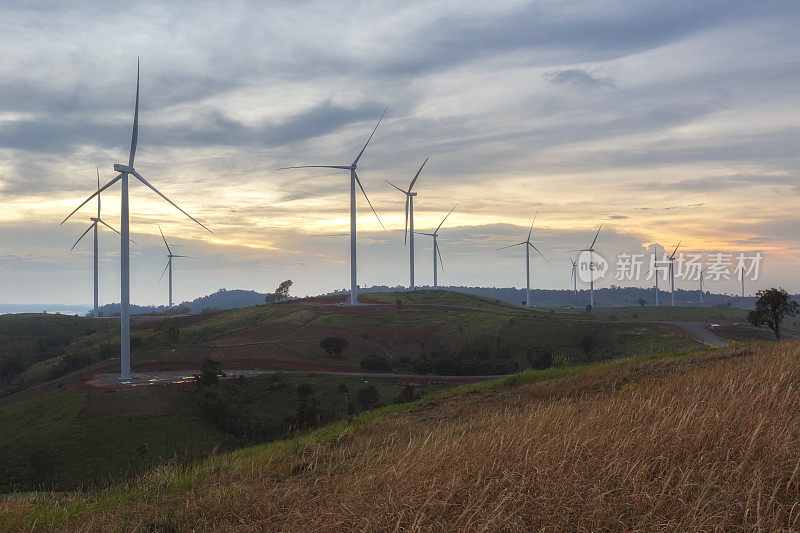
<point>698,442</point>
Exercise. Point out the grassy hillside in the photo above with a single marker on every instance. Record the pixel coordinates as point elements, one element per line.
<point>697,442</point>
<point>50,416</point>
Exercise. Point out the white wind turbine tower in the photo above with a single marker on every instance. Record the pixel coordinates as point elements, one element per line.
<point>590,249</point>
<point>436,251</point>
<point>93,226</point>
<point>125,272</point>
<point>574,277</point>
<point>170,256</point>
<point>408,233</point>
<point>353,181</point>
<point>528,245</point>
<point>672,275</point>
<point>701,285</point>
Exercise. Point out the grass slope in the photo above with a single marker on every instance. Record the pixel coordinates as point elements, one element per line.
<point>707,440</point>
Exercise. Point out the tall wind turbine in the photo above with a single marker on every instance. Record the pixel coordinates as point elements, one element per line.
<point>436,251</point>
<point>353,181</point>
<point>93,226</point>
<point>672,275</point>
<point>528,245</point>
<point>574,277</point>
<point>125,270</point>
<point>590,249</point>
<point>408,233</point>
<point>170,256</point>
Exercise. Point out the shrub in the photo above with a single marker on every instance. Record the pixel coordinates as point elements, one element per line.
<point>368,397</point>
<point>376,362</point>
<point>333,346</point>
<point>210,371</point>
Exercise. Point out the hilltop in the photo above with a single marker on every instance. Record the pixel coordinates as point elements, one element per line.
<point>704,440</point>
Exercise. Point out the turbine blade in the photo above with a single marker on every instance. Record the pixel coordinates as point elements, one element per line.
<point>445,218</point>
<point>101,189</point>
<point>165,240</point>
<point>418,171</point>
<point>165,269</point>
<point>591,248</point>
<point>532,221</point>
<point>370,137</point>
<point>540,253</point>
<point>83,235</point>
<point>103,222</point>
<point>367,198</point>
<point>405,231</point>
<point>428,234</point>
<point>314,166</point>
<point>170,201</point>
<point>396,187</point>
<point>439,252</point>
<point>676,249</point>
<point>98,190</point>
<point>135,135</point>
<point>512,245</point>
<point>186,256</point>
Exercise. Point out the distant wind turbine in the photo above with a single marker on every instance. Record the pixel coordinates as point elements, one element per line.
<point>590,249</point>
<point>353,182</point>
<point>408,232</point>
<point>125,270</point>
<point>672,275</point>
<point>436,251</point>
<point>528,245</point>
<point>93,226</point>
<point>170,256</point>
<point>702,272</point>
<point>574,277</point>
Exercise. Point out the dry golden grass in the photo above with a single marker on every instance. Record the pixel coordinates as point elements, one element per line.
<point>703,442</point>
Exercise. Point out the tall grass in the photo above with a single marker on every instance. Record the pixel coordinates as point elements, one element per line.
<point>697,443</point>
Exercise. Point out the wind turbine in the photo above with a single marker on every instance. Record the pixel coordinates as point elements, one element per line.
<point>528,245</point>
<point>170,256</point>
<point>590,249</point>
<point>93,226</point>
<point>353,181</point>
<point>436,251</point>
<point>574,277</point>
<point>741,274</point>
<point>672,275</point>
<point>701,285</point>
<point>408,232</point>
<point>125,270</point>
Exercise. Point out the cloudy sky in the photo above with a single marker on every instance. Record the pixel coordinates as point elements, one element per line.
<point>665,121</point>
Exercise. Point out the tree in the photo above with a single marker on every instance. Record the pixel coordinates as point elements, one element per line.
<point>368,397</point>
<point>283,289</point>
<point>406,395</point>
<point>642,301</point>
<point>772,305</point>
<point>210,371</point>
<point>333,346</point>
<point>281,293</point>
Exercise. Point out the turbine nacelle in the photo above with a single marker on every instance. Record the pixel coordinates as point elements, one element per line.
<point>126,169</point>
